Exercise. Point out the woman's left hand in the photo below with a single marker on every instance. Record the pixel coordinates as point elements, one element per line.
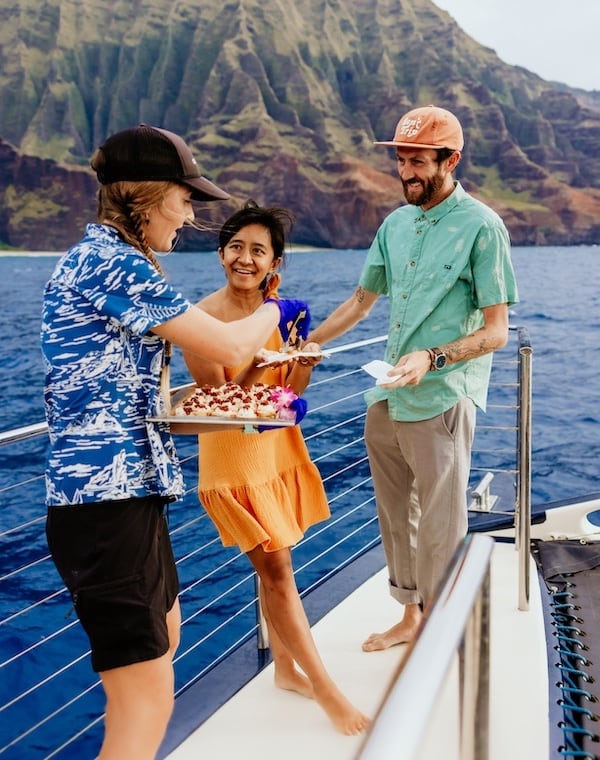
<point>310,361</point>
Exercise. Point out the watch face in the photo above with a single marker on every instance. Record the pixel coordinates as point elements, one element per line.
<point>437,358</point>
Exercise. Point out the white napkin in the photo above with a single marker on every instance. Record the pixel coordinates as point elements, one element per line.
<point>378,369</point>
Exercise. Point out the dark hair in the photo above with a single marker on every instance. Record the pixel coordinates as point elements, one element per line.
<point>279,221</point>
<point>443,154</point>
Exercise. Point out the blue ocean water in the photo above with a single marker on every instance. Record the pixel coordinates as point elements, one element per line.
<point>560,294</point>
<point>559,306</point>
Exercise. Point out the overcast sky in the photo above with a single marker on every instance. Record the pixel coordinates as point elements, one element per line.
<point>558,41</point>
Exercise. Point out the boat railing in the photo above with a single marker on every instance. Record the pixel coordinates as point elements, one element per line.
<point>523,500</point>
<point>461,610</point>
<point>50,698</point>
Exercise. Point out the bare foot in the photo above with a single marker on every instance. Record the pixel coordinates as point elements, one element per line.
<point>342,713</point>
<point>293,680</point>
<point>401,633</point>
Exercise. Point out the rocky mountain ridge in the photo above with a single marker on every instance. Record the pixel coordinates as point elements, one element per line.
<point>281,102</point>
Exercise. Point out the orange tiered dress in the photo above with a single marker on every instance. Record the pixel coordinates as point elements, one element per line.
<point>260,488</point>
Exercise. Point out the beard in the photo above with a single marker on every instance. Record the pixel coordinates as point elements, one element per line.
<point>423,192</point>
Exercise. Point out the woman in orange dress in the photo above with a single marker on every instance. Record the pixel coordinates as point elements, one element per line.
<point>262,491</point>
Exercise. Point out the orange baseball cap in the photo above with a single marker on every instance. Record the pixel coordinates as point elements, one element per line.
<point>428,127</point>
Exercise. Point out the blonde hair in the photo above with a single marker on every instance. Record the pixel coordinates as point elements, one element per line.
<point>127,204</point>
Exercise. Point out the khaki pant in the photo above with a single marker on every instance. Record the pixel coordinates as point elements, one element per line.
<point>420,475</point>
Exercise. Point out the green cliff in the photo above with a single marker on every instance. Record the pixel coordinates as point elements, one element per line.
<point>281,102</point>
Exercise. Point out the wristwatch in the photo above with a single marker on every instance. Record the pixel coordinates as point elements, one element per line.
<point>437,358</point>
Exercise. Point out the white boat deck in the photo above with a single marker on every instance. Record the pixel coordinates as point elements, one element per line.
<point>262,723</point>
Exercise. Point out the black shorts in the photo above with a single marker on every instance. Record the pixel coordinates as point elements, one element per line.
<point>116,559</point>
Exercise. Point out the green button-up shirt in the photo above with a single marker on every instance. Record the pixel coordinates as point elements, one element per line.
<point>439,268</point>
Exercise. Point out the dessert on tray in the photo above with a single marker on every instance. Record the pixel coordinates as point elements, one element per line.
<point>230,400</point>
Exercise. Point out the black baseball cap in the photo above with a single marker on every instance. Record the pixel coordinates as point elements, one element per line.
<point>146,153</point>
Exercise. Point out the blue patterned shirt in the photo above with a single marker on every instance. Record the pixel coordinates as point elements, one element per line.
<point>102,373</point>
<point>439,267</point>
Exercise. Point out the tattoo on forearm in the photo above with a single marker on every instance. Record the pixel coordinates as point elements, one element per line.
<point>360,294</point>
<point>458,351</point>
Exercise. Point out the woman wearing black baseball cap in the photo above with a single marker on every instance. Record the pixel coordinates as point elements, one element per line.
<point>108,317</point>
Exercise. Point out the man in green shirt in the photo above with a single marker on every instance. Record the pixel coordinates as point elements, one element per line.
<point>444,261</point>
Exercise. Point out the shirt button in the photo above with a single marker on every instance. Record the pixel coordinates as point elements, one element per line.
<point>405,295</point>
<point>412,263</point>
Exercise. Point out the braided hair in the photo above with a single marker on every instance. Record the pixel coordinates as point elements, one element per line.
<point>126,204</point>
